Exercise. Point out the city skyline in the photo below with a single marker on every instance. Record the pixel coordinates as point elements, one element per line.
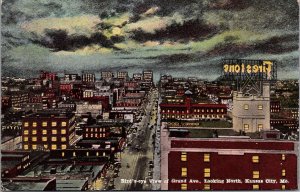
<point>157,35</point>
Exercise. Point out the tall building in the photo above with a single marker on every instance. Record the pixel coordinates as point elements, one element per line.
<point>107,75</point>
<point>251,113</point>
<point>48,130</point>
<point>88,77</point>
<point>122,75</point>
<point>148,75</point>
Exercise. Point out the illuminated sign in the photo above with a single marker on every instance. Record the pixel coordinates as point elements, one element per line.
<point>243,69</point>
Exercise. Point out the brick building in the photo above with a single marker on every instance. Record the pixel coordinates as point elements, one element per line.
<point>48,130</point>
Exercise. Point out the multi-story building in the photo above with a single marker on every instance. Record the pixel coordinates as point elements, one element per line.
<point>107,75</point>
<point>185,109</point>
<point>83,108</point>
<point>251,113</point>
<point>18,99</point>
<point>148,75</point>
<point>122,75</point>
<point>137,77</point>
<point>88,77</point>
<point>227,163</point>
<point>48,130</point>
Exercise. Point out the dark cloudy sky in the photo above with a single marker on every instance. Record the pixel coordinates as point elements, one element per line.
<point>180,37</point>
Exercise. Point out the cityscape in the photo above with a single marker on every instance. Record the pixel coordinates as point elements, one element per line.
<point>73,131</point>
<point>149,95</point>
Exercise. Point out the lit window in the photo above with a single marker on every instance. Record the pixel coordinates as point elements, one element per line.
<point>63,146</point>
<point>92,135</point>
<point>255,186</point>
<point>63,124</point>
<point>26,124</point>
<point>25,147</point>
<point>63,139</point>
<point>63,131</point>
<point>46,146</point>
<point>25,132</point>
<point>183,171</point>
<point>25,139</point>
<point>44,132</point>
<point>255,174</point>
<point>53,139</point>
<point>87,153</point>
<point>34,124</point>
<point>246,106</point>
<point>183,156</point>
<point>283,187</point>
<point>283,157</point>
<point>183,186</point>
<point>283,172</point>
<point>62,154</point>
<point>53,124</point>
<point>97,154</point>
<point>53,147</point>
<point>206,158</point>
<point>34,139</point>
<point>255,159</point>
<point>260,127</point>
<point>259,107</point>
<point>33,132</point>
<point>44,124</point>
<point>33,147</point>
<point>246,126</point>
<point>44,138</point>
<point>96,135</point>
<point>206,186</point>
<point>74,154</point>
<point>54,131</point>
<point>207,172</point>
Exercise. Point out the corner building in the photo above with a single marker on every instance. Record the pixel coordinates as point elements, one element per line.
<point>48,130</point>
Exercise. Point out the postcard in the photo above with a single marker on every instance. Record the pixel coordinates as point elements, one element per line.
<point>149,95</point>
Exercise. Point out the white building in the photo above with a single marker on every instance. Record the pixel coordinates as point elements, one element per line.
<point>85,107</point>
<point>251,113</point>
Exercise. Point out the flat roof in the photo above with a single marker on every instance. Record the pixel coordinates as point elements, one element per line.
<point>70,184</point>
<point>25,186</point>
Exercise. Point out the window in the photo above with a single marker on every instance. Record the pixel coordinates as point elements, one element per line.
<point>283,187</point>
<point>54,131</point>
<point>53,147</point>
<point>33,147</point>
<point>74,154</point>
<point>63,124</point>
<point>53,139</point>
<point>283,172</point>
<point>207,172</point>
<point>62,154</point>
<point>246,126</point>
<point>34,124</point>
<point>44,124</point>
<point>183,186</point>
<point>33,132</point>
<point>44,132</point>
<point>53,123</point>
<point>44,139</point>
<point>25,132</point>
<point>255,159</point>
<point>63,146</point>
<point>26,124</point>
<point>34,139</point>
<point>63,139</point>
<point>97,154</point>
<point>206,158</point>
<point>63,131</point>
<point>183,156</point>
<point>260,127</point>
<point>46,146</point>
<point>87,153</point>
<point>259,107</point>
<point>255,186</point>
<point>25,147</point>
<point>25,139</point>
<point>283,157</point>
<point>183,171</point>
<point>246,106</point>
<point>206,186</point>
<point>255,174</point>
